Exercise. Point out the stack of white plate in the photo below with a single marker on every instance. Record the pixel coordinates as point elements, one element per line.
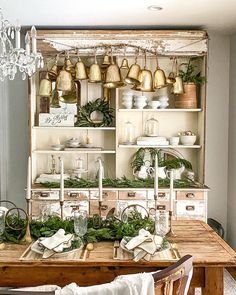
<point>157,140</point>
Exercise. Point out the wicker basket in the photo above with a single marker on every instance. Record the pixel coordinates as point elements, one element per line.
<point>187,100</point>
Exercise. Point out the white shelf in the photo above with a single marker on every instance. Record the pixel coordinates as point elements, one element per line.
<point>73,128</point>
<point>159,110</point>
<point>74,152</point>
<point>160,146</point>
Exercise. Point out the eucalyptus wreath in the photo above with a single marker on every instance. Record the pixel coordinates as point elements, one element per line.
<point>101,105</point>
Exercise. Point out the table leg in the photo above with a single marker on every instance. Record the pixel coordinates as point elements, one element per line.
<point>214,281</point>
<point>191,291</point>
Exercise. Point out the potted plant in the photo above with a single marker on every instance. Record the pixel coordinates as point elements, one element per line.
<point>191,79</point>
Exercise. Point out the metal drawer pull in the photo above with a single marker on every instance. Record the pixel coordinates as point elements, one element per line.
<point>161,207</point>
<point>190,195</point>
<point>131,194</point>
<point>161,195</point>
<point>190,208</point>
<point>105,194</point>
<point>74,195</point>
<point>44,195</point>
<point>104,207</point>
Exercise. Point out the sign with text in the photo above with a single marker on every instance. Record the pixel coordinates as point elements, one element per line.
<point>51,120</point>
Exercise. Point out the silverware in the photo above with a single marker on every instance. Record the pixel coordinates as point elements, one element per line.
<point>175,249</point>
<point>115,249</point>
<point>173,252</point>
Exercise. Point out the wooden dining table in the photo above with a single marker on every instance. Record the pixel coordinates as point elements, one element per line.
<point>210,254</point>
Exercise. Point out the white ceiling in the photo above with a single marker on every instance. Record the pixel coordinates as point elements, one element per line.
<point>209,14</point>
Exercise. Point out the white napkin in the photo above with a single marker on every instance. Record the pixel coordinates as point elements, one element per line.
<point>144,245</point>
<point>57,239</point>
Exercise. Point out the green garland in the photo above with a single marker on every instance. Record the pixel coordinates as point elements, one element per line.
<point>98,229</point>
<point>138,162</point>
<point>101,105</point>
<point>122,183</point>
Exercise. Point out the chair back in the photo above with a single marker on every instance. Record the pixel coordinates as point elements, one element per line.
<point>174,280</point>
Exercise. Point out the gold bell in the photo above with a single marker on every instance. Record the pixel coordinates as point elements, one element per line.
<point>171,78</point>
<point>45,87</point>
<point>53,72</point>
<point>54,102</point>
<point>69,96</point>
<point>124,69</point>
<point>159,77</point>
<point>64,81</point>
<point>178,87</point>
<point>80,70</point>
<point>133,74</point>
<point>95,75</point>
<point>106,60</point>
<point>145,80</point>
<point>113,77</point>
<point>69,67</point>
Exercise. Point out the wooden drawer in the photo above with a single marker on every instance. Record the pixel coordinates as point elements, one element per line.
<point>161,205</point>
<point>106,207</point>
<point>132,195</point>
<point>77,195</point>
<point>161,195</point>
<point>106,195</point>
<point>190,195</point>
<point>192,209</point>
<point>47,195</point>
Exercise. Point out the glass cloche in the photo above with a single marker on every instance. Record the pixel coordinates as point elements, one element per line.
<point>152,127</point>
<point>128,135</point>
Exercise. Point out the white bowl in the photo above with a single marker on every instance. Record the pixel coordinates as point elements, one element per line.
<point>74,142</point>
<point>188,139</point>
<point>127,105</point>
<point>58,147</point>
<point>154,104</point>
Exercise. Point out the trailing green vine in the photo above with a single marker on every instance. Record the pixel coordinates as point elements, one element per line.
<point>101,105</point>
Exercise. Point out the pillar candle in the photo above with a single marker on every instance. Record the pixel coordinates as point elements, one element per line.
<point>17,36</point>
<point>62,181</point>
<point>171,189</point>
<point>34,41</point>
<point>100,176</point>
<point>28,191</point>
<point>27,43</point>
<point>156,177</point>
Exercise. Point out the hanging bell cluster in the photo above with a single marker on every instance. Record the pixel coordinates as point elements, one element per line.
<point>110,74</point>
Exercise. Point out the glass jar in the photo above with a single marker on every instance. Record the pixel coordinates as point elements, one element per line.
<point>152,127</point>
<point>128,137</point>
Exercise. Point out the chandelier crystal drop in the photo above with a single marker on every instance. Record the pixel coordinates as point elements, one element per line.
<point>13,58</point>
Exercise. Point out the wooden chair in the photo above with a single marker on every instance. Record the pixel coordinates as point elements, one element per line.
<point>173,280</point>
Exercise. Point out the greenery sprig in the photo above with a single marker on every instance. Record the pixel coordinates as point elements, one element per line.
<point>189,75</point>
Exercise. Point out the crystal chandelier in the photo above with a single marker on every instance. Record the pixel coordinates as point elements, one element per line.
<point>13,58</point>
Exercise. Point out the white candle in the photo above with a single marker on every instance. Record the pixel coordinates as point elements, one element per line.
<point>34,40</point>
<point>17,36</point>
<point>171,189</point>
<point>80,163</point>
<point>28,192</point>
<point>156,177</point>
<point>100,176</point>
<point>27,43</point>
<point>62,181</point>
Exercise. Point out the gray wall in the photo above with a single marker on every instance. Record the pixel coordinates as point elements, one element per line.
<point>216,131</point>
<point>232,147</point>
<point>217,126</point>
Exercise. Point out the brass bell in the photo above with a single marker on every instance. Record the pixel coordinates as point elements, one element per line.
<point>145,79</point>
<point>171,78</point>
<point>95,74</point>
<point>80,70</point>
<point>113,77</point>
<point>159,77</point>
<point>64,81</point>
<point>106,60</point>
<point>178,87</point>
<point>124,69</point>
<point>133,73</point>
<point>69,96</point>
<point>69,67</point>
<point>53,72</point>
<point>54,102</point>
<point>45,87</point>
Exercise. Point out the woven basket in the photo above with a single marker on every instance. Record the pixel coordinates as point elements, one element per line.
<point>187,100</point>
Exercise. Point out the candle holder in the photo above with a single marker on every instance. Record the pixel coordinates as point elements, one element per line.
<point>62,209</point>
<point>29,207</point>
<point>170,233</point>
